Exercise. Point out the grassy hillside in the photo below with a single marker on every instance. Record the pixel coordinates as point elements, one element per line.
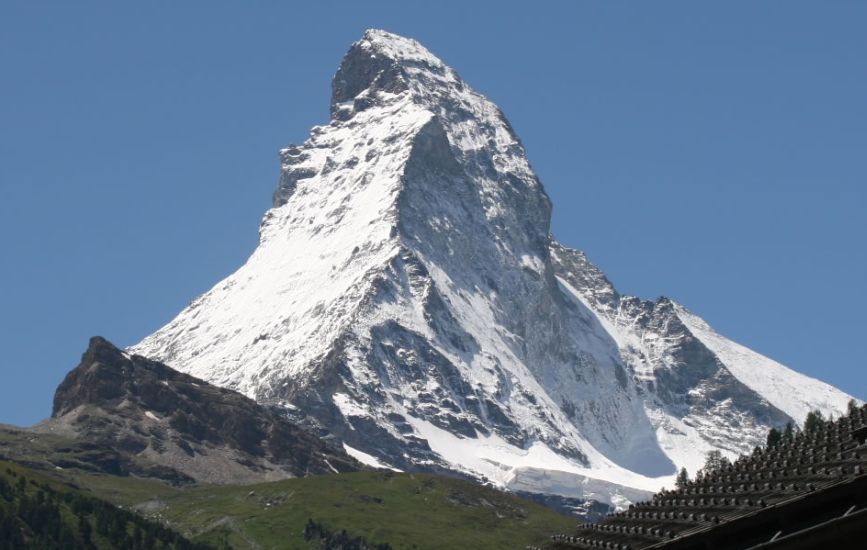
<point>377,510</point>
<point>401,510</point>
<point>38,512</point>
<point>416,511</point>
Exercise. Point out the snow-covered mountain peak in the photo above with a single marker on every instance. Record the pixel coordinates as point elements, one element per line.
<point>406,296</point>
<point>396,47</point>
<point>382,61</point>
<point>388,78</point>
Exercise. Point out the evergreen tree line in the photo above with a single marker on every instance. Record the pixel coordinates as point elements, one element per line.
<point>715,460</point>
<point>326,539</point>
<point>34,515</point>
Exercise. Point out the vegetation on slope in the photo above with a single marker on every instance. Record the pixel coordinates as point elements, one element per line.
<point>36,512</point>
<point>377,510</point>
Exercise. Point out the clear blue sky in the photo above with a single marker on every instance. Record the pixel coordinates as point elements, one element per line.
<point>717,155</point>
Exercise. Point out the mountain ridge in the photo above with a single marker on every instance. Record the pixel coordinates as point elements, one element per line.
<point>407,296</point>
<point>127,415</point>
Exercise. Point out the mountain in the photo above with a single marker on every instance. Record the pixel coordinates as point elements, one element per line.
<point>372,510</point>
<point>124,414</point>
<point>406,296</point>
<point>138,455</point>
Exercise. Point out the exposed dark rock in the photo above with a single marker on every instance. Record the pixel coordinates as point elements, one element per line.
<point>132,415</point>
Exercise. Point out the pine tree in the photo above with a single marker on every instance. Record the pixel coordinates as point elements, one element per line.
<point>774,437</point>
<point>84,529</point>
<point>789,432</point>
<point>814,421</point>
<point>853,407</point>
<point>714,461</point>
<point>682,479</point>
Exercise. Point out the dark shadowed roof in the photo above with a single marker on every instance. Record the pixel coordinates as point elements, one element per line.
<point>807,491</point>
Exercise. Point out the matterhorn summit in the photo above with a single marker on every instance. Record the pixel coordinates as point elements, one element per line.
<point>407,298</point>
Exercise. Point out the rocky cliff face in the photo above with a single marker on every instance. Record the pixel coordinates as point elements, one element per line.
<point>406,297</point>
<point>151,414</point>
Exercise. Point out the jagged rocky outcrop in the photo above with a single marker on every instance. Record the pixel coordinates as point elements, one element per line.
<point>407,297</point>
<point>144,418</point>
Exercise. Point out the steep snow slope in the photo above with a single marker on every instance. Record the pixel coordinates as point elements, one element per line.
<point>790,391</point>
<point>701,390</point>
<point>406,296</point>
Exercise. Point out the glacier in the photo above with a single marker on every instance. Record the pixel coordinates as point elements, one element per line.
<point>407,297</point>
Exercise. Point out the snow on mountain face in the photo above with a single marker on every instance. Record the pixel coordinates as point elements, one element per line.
<point>406,295</point>
<point>701,390</point>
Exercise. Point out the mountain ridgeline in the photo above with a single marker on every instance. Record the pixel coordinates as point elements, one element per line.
<point>127,415</point>
<point>407,298</point>
<point>137,455</point>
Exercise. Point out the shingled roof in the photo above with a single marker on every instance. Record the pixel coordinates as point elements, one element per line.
<point>810,489</point>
